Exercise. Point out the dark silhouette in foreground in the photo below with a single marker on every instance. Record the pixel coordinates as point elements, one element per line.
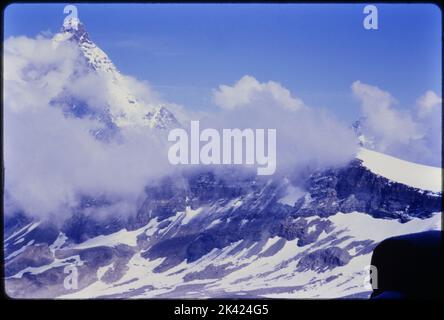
<point>409,267</point>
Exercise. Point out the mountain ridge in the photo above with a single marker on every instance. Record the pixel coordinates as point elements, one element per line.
<point>228,234</point>
<point>207,228</point>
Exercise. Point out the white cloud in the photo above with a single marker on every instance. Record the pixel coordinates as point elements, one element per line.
<point>50,158</point>
<point>371,96</point>
<point>307,138</point>
<point>387,124</point>
<point>248,91</point>
<point>427,102</point>
<point>408,134</point>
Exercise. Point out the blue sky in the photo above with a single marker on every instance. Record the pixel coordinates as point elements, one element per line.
<point>316,51</point>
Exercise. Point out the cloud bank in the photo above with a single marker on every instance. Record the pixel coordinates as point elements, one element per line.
<point>307,137</point>
<point>53,158</point>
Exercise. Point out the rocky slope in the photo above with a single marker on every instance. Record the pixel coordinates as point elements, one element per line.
<point>207,234</point>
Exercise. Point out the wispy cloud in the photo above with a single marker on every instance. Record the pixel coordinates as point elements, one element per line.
<point>413,135</point>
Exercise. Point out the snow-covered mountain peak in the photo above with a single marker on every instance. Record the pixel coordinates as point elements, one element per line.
<point>72,23</point>
<point>126,107</point>
<point>161,118</point>
<point>73,30</point>
<point>74,26</point>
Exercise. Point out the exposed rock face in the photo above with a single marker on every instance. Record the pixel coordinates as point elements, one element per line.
<point>33,256</point>
<point>259,215</point>
<point>195,213</point>
<point>355,188</point>
<point>323,259</point>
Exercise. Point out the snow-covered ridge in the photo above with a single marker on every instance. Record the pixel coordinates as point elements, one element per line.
<point>408,173</point>
<point>71,23</point>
